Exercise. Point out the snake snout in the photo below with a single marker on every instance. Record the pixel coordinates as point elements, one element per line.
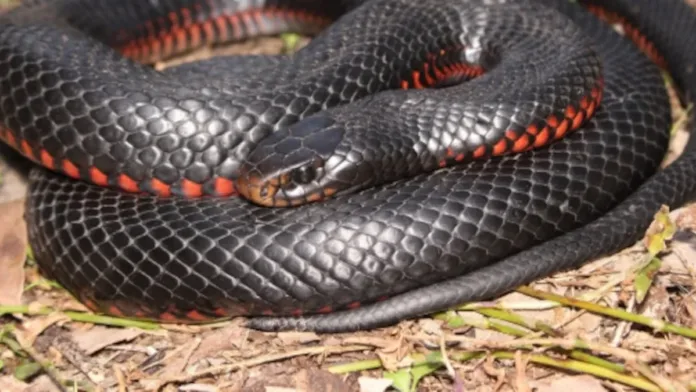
<point>289,167</point>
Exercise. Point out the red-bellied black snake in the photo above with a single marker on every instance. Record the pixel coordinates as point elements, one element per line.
<point>413,156</point>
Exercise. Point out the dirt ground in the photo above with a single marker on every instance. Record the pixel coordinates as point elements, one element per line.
<point>625,322</point>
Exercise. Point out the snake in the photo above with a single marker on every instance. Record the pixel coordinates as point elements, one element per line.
<point>411,157</point>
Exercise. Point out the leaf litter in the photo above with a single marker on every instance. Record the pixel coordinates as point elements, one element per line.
<point>522,342</point>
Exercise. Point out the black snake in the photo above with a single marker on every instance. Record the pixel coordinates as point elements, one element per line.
<point>433,152</point>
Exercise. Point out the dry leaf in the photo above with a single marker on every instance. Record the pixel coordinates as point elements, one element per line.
<point>490,335</point>
<point>14,183</point>
<point>218,341</point>
<point>521,379</point>
<point>682,258</point>
<point>198,388</point>
<point>315,380</point>
<point>42,383</point>
<point>586,324</point>
<point>294,338</point>
<point>430,326</point>
<point>99,337</point>
<point>685,217</point>
<point>658,303</point>
<point>176,361</point>
<point>374,341</point>
<point>31,329</point>
<point>13,245</point>
<point>369,384</point>
<point>689,305</point>
<point>11,384</point>
<point>684,365</point>
<point>572,384</point>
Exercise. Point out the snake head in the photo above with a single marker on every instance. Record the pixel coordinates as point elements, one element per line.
<point>295,165</point>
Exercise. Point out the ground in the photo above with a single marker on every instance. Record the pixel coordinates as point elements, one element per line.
<point>626,322</point>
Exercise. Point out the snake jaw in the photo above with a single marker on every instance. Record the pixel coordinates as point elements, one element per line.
<point>294,186</point>
<point>260,192</point>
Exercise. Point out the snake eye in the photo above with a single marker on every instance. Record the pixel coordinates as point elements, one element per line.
<point>304,175</point>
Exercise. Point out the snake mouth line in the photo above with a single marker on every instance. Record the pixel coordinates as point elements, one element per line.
<point>270,192</point>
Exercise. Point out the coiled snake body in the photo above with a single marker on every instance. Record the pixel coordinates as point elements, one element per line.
<point>366,198</point>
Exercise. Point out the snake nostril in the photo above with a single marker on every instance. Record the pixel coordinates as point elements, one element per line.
<point>265,191</point>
